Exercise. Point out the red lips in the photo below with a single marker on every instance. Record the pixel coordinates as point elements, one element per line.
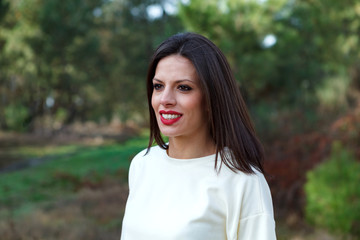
<point>167,119</point>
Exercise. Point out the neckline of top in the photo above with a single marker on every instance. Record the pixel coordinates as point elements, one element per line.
<point>210,157</point>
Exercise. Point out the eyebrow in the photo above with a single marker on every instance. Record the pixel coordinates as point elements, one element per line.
<point>177,81</point>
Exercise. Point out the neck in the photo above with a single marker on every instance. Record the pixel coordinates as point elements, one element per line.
<point>184,148</point>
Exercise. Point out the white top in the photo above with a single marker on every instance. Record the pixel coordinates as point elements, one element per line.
<point>186,199</point>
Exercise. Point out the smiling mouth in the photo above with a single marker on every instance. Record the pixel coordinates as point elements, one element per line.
<point>170,116</point>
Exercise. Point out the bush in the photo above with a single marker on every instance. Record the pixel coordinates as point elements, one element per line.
<point>333,193</point>
<point>15,115</point>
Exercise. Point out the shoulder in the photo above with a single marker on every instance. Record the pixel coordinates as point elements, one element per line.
<point>257,186</point>
<point>143,162</point>
<point>239,177</point>
<point>257,194</point>
<point>147,155</point>
<point>247,183</point>
<point>251,191</point>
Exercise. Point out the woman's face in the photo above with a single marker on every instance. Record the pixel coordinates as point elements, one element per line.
<point>177,99</point>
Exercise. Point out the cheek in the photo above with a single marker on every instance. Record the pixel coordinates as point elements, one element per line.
<point>197,104</point>
<point>153,102</point>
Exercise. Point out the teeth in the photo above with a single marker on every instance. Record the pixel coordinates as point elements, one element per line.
<point>170,116</point>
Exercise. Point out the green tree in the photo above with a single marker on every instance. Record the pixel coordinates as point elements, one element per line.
<point>43,42</point>
<point>16,63</point>
<point>78,60</point>
<point>315,41</point>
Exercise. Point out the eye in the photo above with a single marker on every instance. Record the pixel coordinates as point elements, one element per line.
<point>184,88</point>
<point>157,86</point>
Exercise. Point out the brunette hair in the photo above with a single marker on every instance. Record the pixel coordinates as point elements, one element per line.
<point>230,125</point>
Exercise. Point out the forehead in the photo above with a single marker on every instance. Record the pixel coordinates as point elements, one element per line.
<point>175,67</point>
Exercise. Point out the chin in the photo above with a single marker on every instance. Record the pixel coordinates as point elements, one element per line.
<point>168,133</point>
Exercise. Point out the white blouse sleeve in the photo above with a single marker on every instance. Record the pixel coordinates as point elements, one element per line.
<point>258,227</point>
<point>257,217</point>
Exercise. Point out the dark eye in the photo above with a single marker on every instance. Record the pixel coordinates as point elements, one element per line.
<point>184,88</point>
<point>157,86</point>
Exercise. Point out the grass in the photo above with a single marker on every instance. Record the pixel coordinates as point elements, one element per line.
<point>42,151</point>
<point>65,174</point>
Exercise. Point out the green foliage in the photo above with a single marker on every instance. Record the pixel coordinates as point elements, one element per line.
<point>333,193</point>
<point>15,115</point>
<point>90,57</point>
<point>333,93</point>
<point>313,42</point>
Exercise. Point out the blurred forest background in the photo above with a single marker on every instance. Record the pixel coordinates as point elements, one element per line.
<point>73,108</point>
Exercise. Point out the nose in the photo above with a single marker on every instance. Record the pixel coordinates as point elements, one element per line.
<point>167,97</point>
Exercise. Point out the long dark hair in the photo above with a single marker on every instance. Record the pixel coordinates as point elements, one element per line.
<point>229,123</point>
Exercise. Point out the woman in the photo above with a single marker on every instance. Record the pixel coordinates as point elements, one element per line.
<point>207,182</point>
